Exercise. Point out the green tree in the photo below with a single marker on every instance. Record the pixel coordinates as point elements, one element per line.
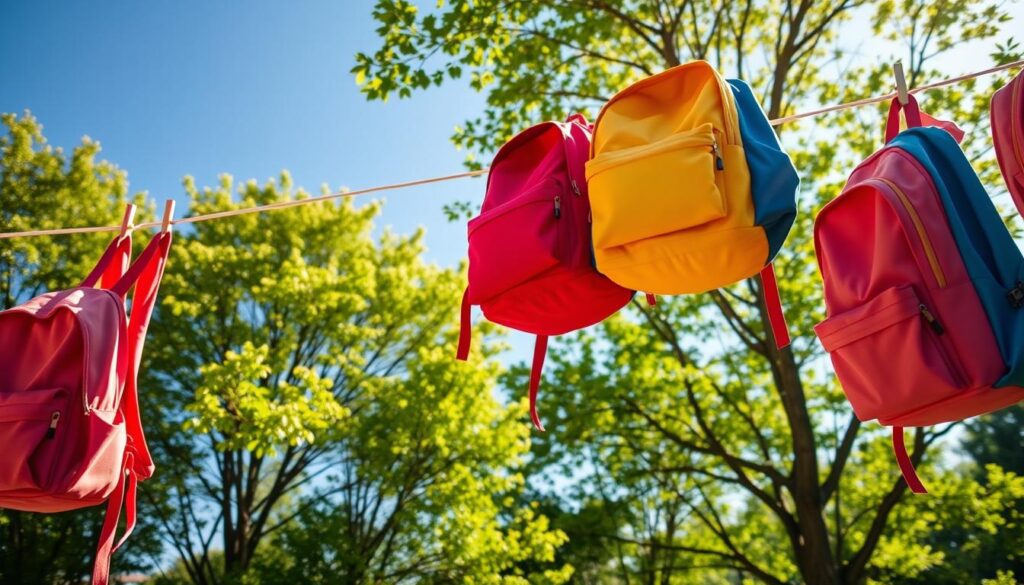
<point>992,444</point>
<point>980,526</point>
<point>311,424</point>
<point>996,438</point>
<point>722,456</point>
<point>45,187</point>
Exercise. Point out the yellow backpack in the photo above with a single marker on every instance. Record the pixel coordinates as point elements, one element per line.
<point>670,188</point>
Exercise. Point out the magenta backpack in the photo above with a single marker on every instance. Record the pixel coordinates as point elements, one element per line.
<point>69,414</point>
<point>530,265</point>
<point>1007,117</point>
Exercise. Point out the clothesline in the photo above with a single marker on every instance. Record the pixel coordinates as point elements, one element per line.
<point>403,185</point>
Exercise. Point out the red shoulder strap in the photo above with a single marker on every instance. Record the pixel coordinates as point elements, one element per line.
<point>112,263</point>
<point>145,276</point>
<point>906,465</point>
<point>911,111</point>
<point>465,328</point>
<point>915,118</point>
<point>540,349</point>
<point>773,304</point>
<point>126,486</point>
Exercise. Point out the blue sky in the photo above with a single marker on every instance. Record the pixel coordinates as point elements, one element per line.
<point>203,88</point>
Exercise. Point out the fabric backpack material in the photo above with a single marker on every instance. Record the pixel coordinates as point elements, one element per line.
<point>773,178</point>
<point>671,187</point>
<point>773,186</point>
<point>917,267</point>
<point>530,262</point>
<point>1007,117</point>
<point>71,428</point>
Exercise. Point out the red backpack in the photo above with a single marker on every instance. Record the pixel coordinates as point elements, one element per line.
<point>69,413</point>
<point>917,268</point>
<point>530,263</point>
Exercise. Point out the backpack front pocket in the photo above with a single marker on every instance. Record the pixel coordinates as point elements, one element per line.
<point>30,421</point>
<point>655,189</point>
<point>517,240</point>
<point>890,356</point>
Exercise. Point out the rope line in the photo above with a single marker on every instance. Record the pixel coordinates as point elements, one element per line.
<point>477,173</point>
<point>890,95</point>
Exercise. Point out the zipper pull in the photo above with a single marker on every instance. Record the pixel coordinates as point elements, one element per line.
<point>575,187</point>
<point>54,419</point>
<point>719,161</point>
<point>558,206</point>
<point>1016,296</point>
<point>932,321</point>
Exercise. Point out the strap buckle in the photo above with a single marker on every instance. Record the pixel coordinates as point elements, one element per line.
<point>1016,296</point>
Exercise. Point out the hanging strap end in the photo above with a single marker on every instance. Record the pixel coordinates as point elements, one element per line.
<point>773,305</point>
<point>540,349</point>
<point>899,447</point>
<point>465,329</point>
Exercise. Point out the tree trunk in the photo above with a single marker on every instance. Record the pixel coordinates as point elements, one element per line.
<point>813,549</point>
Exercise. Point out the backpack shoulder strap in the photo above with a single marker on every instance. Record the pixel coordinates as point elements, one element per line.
<point>112,264</point>
<point>145,276</point>
<point>910,111</point>
<point>773,306</point>
<point>465,328</point>
<point>540,349</point>
<point>123,495</point>
<point>899,447</point>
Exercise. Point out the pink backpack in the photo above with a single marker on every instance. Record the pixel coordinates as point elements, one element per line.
<point>69,412</point>
<point>912,325</point>
<point>530,264</point>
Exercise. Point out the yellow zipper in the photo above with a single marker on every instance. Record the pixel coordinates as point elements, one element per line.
<point>732,130</point>
<point>732,126</point>
<point>700,136</point>
<point>929,251</point>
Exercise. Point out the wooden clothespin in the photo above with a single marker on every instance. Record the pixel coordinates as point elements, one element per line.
<point>901,83</point>
<point>128,221</point>
<point>165,226</point>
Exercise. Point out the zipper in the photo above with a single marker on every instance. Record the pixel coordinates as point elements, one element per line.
<point>537,194</point>
<point>725,93</point>
<point>929,251</point>
<point>946,350</point>
<point>719,162</point>
<point>729,107</point>
<point>929,317</point>
<point>54,419</point>
<point>575,187</point>
<point>703,135</point>
<point>566,230</point>
<point>948,353</point>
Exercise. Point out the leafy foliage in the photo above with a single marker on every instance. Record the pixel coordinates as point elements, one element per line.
<point>327,432</point>
<point>45,187</point>
<point>694,450</point>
